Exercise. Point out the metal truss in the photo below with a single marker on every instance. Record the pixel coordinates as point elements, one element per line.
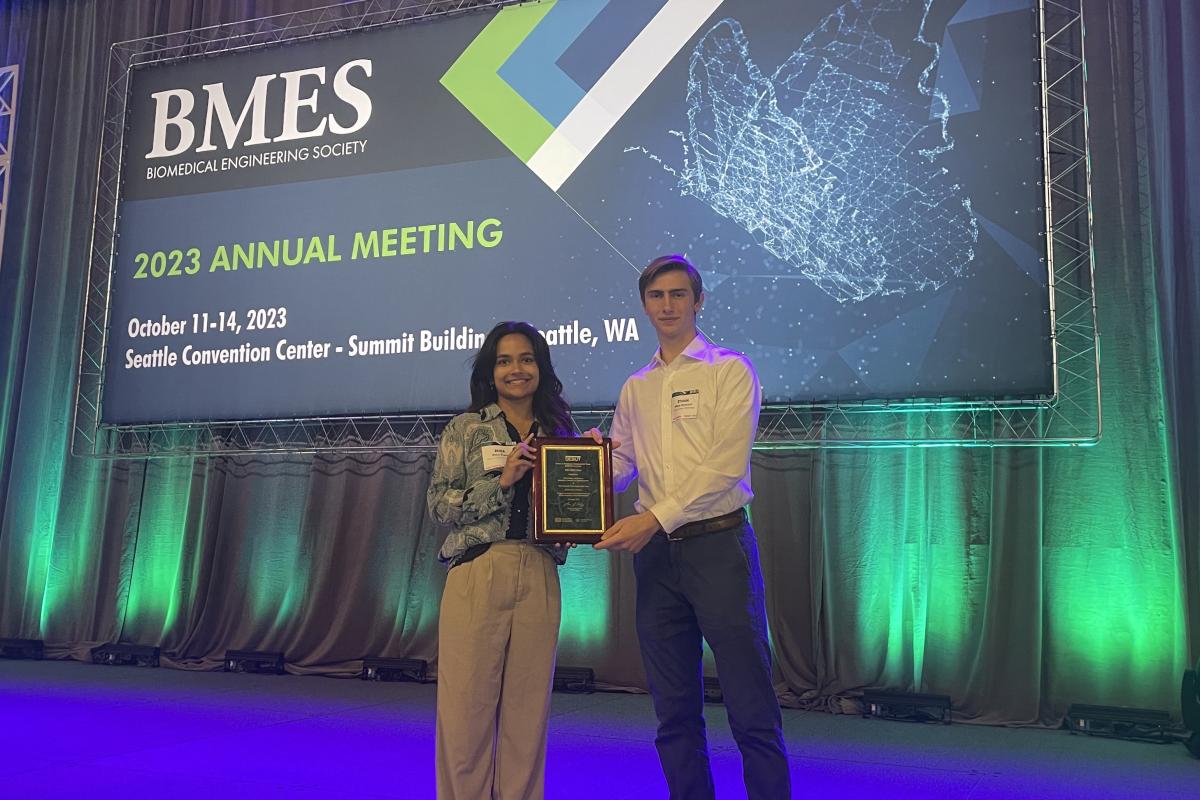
<point>292,27</point>
<point>307,435</point>
<point>1070,417</point>
<point>8,133</point>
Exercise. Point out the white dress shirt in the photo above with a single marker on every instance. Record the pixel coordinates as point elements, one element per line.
<point>685,430</point>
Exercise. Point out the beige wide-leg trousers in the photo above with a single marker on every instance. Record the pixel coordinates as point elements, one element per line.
<point>496,640</point>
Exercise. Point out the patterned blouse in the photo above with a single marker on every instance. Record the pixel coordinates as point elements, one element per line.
<point>465,496</point>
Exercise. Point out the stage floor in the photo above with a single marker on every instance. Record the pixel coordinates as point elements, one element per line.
<point>69,729</point>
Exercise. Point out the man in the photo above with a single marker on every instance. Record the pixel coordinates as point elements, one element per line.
<point>684,425</point>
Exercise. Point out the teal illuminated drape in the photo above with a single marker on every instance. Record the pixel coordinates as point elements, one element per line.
<point>1017,581</point>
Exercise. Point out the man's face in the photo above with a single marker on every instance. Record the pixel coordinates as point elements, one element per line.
<point>669,304</point>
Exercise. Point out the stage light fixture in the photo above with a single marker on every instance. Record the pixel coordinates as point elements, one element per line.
<point>125,655</point>
<point>410,670</point>
<point>574,680</point>
<point>22,648</point>
<point>1114,722</point>
<point>907,707</point>
<point>254,661</point>
<point>712,690</point>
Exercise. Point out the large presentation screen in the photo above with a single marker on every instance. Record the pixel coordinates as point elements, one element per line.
<point>330,227</point>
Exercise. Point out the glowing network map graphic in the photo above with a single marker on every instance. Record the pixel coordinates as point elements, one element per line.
<point>832,162</point>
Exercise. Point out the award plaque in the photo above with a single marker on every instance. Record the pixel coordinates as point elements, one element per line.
<point>572,490</point>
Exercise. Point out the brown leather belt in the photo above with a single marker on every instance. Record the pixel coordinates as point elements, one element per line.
<point>714,525</point>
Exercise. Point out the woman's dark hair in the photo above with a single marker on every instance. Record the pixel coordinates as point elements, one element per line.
<point>549,408</point>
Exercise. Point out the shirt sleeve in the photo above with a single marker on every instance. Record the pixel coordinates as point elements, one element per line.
<point>624,458</point>
<point>724,465</point>
<point>460,492</point>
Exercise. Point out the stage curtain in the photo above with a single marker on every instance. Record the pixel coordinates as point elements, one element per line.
<point>1017,581</point>
<point>1167,117</point>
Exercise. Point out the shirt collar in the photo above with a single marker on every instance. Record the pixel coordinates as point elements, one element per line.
<point>696,349</point>
<point>492,411</point>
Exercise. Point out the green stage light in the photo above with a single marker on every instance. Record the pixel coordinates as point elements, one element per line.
<point>1115,722</point>
<point>254,661</point>
<point>126,655</point>
<point>411,670</point>
<point>574,680</point>
<point>22,648</point>
<point>907,707</point>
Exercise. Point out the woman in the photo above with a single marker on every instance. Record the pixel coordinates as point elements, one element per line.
<point>500,609</point>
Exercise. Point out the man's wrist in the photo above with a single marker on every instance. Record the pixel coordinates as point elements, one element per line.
<point>668,513</point>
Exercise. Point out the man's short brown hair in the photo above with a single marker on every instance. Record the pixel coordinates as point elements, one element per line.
<point>671,263</point>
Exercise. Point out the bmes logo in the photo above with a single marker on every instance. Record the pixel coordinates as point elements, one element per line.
<point>173,107</point>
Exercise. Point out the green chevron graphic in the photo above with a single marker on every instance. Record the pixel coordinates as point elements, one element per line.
<point>474,81</point>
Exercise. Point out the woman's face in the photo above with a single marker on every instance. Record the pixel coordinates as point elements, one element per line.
<point>516,371</point>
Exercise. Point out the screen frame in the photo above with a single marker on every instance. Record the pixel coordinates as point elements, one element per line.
<point>1070,415</point>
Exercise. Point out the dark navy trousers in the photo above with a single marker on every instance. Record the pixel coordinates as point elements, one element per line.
<point>709,587</point>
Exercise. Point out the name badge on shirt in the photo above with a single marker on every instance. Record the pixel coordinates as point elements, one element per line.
<point>494,455</point>
<point>685,404</point>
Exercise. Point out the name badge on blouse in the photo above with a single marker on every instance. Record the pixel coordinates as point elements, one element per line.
<point>685,404</point>
<point>494,455</point>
